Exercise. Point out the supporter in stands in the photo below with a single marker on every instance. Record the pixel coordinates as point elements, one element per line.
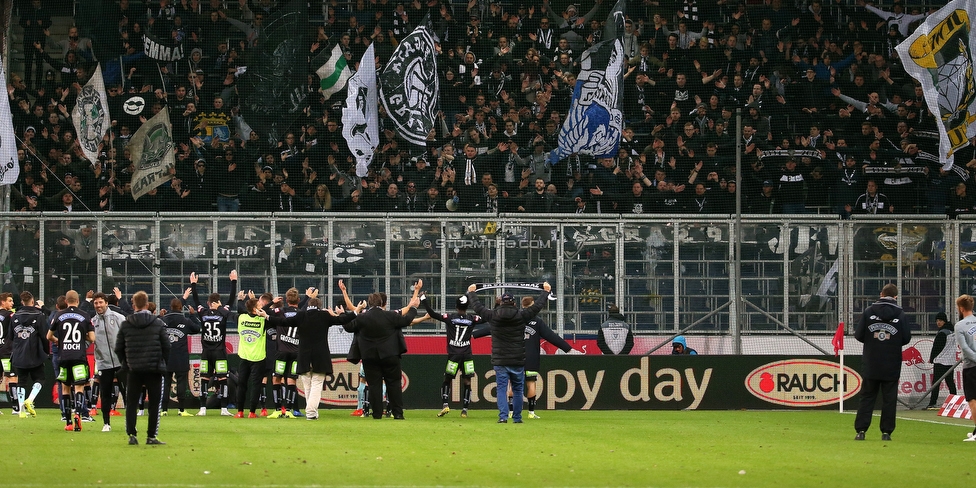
<point>690,78</point>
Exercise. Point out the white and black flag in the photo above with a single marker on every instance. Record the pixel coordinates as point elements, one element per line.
<point>151,148</point>
<point>409,87</point>
<point>90,115</point>
<point>360,117</point>
<point>594,122</point>
<point>9,164</point>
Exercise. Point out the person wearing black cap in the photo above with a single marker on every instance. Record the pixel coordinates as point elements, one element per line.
<point>458,327</point>
<point>765,202</point>
<point>943,358</point>
<point>507,324</point>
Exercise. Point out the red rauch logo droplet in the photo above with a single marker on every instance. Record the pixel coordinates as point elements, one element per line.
<point>766,383</point>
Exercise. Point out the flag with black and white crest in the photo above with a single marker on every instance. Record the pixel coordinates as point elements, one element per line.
<point>594,122</point>
<point>360,117</point>
<point>90,115</point>
<point>151,148</point>
<point>409,87</point>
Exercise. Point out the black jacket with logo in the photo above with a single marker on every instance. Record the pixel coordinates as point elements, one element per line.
<point>884,330</point>
<point>29,328</point>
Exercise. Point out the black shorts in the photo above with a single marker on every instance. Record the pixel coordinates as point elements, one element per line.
<point>460,363</point>
<point>213,362</point>
<point>286,366</point>
<point>25,375</point>
<point>74,372</point>
<point>969,383</point>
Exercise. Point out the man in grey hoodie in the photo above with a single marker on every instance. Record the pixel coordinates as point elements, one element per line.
<point>143,347</point>
<point>107,364</point>
<point>965,329</point>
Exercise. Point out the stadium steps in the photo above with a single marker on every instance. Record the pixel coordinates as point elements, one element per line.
<point>59,30</point>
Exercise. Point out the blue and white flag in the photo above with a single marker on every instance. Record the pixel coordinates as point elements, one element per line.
<point>9,164</point>
<point>939,54</point>
<point>360,117</point>
<point>409,86</point>
<point>90,115</point>
<point>595,122</point>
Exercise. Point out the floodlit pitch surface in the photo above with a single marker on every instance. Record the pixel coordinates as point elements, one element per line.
<point>564,448</point>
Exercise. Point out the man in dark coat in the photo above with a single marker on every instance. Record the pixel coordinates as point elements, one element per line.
<point>884,330</point>
<point>143,347</point>
<point>507,324</point>
<point>314,358</point>
<point>380,343</point>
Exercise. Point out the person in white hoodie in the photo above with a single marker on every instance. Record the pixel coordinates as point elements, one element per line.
<point>107,364</point>
<point>965,330</point>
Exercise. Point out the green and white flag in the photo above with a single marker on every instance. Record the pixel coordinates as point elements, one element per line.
<point>334,73</point>
<point>90,115</point>
<point>151,148</point>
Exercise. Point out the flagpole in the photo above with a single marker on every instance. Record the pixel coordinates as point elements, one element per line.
<point>843,382</point>
<point>843,378</point>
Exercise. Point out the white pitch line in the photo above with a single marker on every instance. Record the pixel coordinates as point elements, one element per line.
<point>939,422</point>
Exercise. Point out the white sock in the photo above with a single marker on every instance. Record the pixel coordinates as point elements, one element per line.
<point>34,391</point>
<point>20,398</point>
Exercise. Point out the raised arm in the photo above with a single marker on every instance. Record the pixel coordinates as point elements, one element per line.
<point>232,299</point>
<point>476,304</point>
<point>415,299</point>
<point>345,296</point>
<point>193,289</point>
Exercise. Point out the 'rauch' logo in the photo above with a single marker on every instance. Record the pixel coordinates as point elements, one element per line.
<point>340,387</point>
<point>802,382</point>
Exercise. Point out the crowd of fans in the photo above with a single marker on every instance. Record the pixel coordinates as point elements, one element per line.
<point>819,77</point>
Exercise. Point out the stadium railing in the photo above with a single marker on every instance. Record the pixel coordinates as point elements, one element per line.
<point>667,273</point>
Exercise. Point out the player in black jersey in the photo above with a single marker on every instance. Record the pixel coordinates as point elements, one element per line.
<point>535,331</point>
<point>72,330</point>
<point>29,350</point>
<point>459,327</point>
<point>178,329</point>
<point>6,339</point>
<point>213,360</point>
<point>286,363</point>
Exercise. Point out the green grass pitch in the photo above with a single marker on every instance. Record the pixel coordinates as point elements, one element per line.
<point>563,448</point>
